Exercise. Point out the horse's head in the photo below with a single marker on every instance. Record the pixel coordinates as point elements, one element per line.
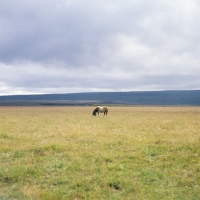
<point>94,112</point>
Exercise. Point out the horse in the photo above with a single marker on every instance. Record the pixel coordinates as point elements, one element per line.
<point>100,109</point>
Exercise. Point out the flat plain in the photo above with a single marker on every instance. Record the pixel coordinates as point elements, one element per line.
<point>63,153</point>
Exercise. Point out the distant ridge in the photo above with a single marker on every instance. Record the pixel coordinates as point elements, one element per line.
<point>178,97</point>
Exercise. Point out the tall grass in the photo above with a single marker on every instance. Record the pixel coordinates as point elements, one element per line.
<point>66,153</point>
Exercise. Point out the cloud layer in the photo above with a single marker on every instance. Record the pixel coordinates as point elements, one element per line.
<point>79,46</point>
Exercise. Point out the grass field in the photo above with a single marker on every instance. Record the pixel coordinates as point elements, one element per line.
<point>54,153</point>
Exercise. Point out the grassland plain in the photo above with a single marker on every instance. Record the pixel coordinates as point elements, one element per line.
<point>65,153</point>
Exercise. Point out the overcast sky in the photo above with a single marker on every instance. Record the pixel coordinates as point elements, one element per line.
<point>64,46</point>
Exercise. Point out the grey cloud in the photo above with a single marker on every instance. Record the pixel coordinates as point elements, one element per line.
<point>70,44</point>
<point>60,31</point>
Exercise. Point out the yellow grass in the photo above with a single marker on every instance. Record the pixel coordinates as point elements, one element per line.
<point>133,153</point>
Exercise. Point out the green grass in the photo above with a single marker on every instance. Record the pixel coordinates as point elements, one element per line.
<point>66,153</point>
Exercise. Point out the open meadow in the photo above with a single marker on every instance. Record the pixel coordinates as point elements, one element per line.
<point>58,153</point>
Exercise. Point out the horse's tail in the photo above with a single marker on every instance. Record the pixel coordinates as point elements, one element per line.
<point>106,110</point>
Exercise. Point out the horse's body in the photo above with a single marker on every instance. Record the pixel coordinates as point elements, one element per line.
<point>100,109</point>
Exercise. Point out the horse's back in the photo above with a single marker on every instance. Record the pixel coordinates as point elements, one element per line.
<point>103,109</point>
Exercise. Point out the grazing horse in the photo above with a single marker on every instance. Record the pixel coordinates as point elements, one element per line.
<point>100,109</point>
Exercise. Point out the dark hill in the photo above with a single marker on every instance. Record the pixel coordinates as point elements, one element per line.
<point>186,97</point>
